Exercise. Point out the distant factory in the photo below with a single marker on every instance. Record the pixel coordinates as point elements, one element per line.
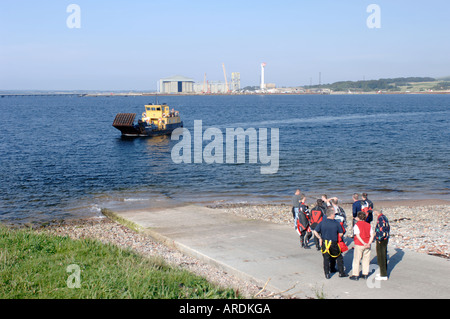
<point>182,84</point>
<point>176,84</point>
<point>179,84</point>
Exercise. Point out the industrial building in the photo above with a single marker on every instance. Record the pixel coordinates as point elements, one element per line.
<point>235,81</point>
<point>181,84</point>
<point>211,87</point>
<point>176,84</point>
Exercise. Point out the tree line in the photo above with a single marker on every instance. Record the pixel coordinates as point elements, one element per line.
<point>390,84</point>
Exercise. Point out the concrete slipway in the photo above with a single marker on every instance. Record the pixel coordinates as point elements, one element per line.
<point>257,250</point>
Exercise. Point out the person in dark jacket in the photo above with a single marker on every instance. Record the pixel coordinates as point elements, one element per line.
<point>328,232</point>
<point>367,207</point>
<point>302,222</point>
<point>382,230</point>
<point>316,215</point>
<point>340,215</point>
<point>356,207</point>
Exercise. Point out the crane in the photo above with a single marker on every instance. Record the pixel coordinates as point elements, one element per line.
<point>204,84</point>
<point>225,75</point>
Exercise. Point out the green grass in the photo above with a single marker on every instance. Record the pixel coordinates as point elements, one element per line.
<point>418,86</point>
<point>36,265</point>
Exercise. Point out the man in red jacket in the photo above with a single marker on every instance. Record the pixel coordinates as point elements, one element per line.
<point>363,237</point>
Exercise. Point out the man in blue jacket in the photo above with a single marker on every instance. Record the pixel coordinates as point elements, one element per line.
<point>328,232</point>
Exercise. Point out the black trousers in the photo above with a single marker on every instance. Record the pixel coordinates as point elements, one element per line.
<point>382,256</point>
<point>329,262</point>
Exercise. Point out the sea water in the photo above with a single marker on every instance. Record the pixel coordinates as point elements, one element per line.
<point>61,158</point>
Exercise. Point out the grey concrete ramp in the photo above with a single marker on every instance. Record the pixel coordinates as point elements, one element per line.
<point>259,251</point>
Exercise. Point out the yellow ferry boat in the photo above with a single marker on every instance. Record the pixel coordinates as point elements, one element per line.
<point>156,120</point>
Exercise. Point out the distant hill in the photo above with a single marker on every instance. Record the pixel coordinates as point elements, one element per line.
<point>390,84</point>
<point>443,85</point>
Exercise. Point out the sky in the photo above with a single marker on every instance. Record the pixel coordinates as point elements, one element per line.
<point>130,45</point>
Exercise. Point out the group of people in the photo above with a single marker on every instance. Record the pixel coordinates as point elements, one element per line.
<point>327,223</point>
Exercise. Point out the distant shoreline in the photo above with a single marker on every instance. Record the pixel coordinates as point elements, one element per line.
<point>133,94</point>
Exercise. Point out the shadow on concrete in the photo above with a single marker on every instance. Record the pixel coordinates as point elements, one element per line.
<point>348,256</point>
<point>392,261</point>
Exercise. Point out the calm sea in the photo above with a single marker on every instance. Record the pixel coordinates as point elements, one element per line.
<point>61,157</point>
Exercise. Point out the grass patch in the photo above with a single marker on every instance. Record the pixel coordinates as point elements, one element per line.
<point>37,266</point>
<point>418,86</point>
<point>113,216</point>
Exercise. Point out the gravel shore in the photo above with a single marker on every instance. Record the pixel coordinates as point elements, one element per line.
<point>418,227</point>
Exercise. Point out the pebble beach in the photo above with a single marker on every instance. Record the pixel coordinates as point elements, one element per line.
<point>421,226</point>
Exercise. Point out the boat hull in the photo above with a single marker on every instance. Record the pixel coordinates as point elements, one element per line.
<point>135,132</point>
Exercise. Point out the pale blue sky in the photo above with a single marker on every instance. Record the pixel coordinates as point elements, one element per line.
<point>129,45</point>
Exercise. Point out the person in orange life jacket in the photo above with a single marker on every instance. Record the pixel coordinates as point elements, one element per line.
<point>316,215</point>
<point>363,236</point>
<point>339,214</point>
<point>382,230</point>
<point>303,227</point>
<point>356,207</point>
<point>328,232</point>
<point>367,207</point>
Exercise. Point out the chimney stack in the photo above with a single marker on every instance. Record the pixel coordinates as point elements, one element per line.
<point>263,85</point>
